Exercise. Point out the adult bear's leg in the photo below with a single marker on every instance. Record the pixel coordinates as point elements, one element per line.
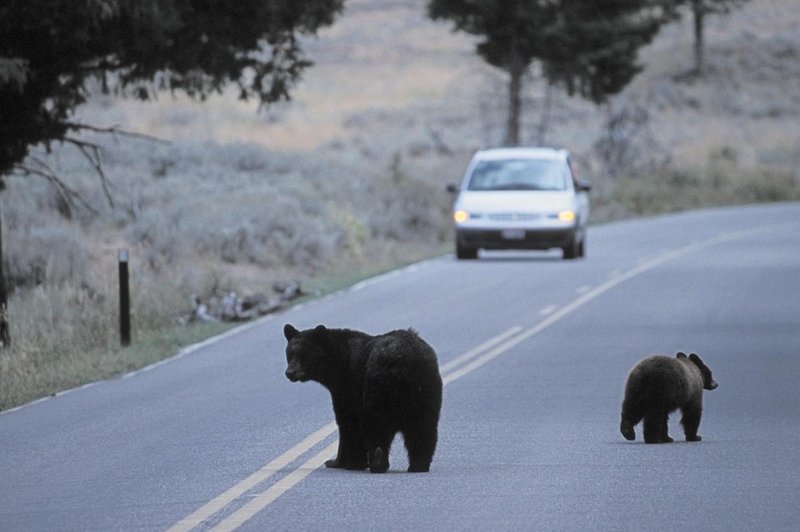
<point>421,430</point>
<point>352,452</point>
<point>379,423</point>
<point>421,444</point>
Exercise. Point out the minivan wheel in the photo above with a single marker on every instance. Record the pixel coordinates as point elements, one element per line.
<point>465,253</point>
<point>572,249</point>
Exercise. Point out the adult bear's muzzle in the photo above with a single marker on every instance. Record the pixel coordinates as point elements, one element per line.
<point>295,373</point>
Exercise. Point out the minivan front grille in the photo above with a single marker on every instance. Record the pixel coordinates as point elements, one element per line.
<point>514,216</point>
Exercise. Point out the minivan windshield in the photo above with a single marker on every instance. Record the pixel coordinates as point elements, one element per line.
<point>518,174</point>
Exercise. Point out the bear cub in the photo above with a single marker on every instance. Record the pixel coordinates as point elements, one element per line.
<point>659,385</point>
<point>380,385</point>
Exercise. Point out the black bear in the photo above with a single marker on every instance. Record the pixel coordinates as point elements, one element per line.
<point>380,385</point>
<point>659,385</point>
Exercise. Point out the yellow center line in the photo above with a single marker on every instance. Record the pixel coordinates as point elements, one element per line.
<point>469,362</point>
<point>472,353</point>
<point>243,514</point>
<point>219,502</point>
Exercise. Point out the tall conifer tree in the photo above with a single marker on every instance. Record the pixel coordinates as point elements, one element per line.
<point>587,46</point>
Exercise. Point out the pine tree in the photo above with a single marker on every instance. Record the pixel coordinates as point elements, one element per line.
<point>588,47</point>
<point>700,9</point>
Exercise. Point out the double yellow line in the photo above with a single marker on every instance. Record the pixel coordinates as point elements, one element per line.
<point>451,371</point>
<point>293,477</point>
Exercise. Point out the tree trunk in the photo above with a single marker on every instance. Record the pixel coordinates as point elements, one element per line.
<point>547,107</point>
<point>516,70</point>
<point>699,20</point>
<point>5,333</point>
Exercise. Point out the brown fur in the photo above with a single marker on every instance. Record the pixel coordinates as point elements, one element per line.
<point>659,385</point>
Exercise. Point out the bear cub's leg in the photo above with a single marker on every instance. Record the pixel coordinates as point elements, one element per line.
<point>626,428</point>
<point>630,418</point>
<point>691,422</point>
<point>655,428</point>
<point>664,430</point>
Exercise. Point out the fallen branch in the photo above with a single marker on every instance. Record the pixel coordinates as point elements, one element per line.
<point>230,307</point>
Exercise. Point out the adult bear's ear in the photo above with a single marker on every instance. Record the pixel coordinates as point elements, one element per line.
<point>681,354</point>
<point>289,332</point>
<point>320,330</point>
<point>696,359</point>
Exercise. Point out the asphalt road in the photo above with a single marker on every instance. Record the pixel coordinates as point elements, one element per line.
<point>534,352</point>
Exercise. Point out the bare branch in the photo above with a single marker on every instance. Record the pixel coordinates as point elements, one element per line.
<point>91,152</point>
<point>115,130</point>
<point>68,195</point>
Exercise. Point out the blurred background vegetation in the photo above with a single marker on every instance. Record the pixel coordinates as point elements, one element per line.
<point>348,178</point>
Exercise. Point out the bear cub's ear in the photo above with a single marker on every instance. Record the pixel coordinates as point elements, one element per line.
<point>289,332</point>
<point>681,354</point>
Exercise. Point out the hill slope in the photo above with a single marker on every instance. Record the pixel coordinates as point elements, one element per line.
<point>348,178</point>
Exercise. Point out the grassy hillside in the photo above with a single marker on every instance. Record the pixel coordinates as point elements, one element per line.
<point>348,178</point>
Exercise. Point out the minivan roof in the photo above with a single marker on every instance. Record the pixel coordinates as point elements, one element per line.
<point>522,153</point>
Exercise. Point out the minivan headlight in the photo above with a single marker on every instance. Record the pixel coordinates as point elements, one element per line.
<point>566,216</point>
<point>460,216</point>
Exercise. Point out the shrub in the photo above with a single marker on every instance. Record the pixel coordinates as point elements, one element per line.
<point>680,189</point>
<point>52,256</point>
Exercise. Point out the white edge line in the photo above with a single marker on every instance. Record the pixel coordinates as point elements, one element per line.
<point>506,341</point>
<point>236,330</point>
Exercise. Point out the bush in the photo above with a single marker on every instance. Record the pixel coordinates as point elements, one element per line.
<point>52,256</point>
<point>408,209</point>
<point>681,189</point>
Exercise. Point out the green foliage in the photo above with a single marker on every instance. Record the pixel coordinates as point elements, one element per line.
<point>721,7</point>
<point>49,51</point>
<point>700,9</point>
<point>511,30</point>
<point>593,46</point>
<point>589,47</point>
<point>722,182</point>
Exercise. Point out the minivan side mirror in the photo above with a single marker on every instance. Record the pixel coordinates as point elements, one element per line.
<point>583,186</point>
<point>452,189</point>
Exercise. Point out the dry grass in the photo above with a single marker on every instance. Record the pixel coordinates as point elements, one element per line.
<point>66,336</point>
<point>348,179</point>
<point>673,191</point>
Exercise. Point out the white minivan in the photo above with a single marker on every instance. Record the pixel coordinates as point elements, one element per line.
<point>521,198</point>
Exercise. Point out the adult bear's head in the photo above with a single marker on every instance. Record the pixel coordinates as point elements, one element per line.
<point>306,354</point>
<point>708,380</point>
